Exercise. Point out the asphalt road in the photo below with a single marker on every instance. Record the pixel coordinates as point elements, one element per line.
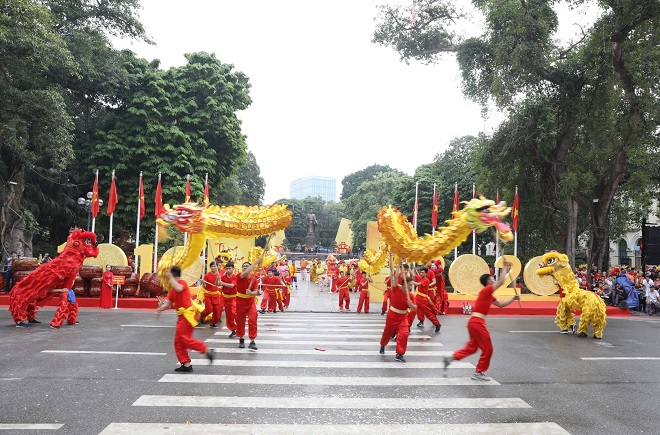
<point>325,370</point>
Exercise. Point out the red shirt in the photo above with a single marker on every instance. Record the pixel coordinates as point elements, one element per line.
<point>388,282</point>
<point>358,280</point>
<point>229,280</point>
<point>484,300</point>
<point>423,286</point>
<point>333,271</point>
<point>180,299</point>
<point>439,278</point>
<point>243,283</point>
<point>398,299</point>
<point>342,283</point>
<point>271,283</point>
<point>211,278</point>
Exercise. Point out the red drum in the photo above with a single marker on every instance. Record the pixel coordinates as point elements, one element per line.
<point>20,275</point>
<point>91,271</point>
<point>95,286</point>
<point>150,285</point>
<point>130,286</point>
<point>2,282</point>
<point>125,271</point>
<point>25,263</point>
<point>80,286</point>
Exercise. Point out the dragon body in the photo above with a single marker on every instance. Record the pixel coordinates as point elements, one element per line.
<point>202,223</point>
<point>478,214</point>
<point>592,306</point>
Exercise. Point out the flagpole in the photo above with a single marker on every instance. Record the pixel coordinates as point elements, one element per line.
<point>434,211</point>
<point>113,212</point>
<point>206,183</point>
<point>474,233</point>
<point>515,233</point>
<point>185,235</point>
<point>137,231</point>
<point>97,199</point>
<point>456,247</point>
<point>416,205</point>
<point>155,265</point>
<point>497,244</point>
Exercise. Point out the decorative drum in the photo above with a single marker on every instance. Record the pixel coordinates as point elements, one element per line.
<point>95,286</point>
<point>150,285</point>
<point>19,275</point>
<point>25,263</point>
<point>91,271</point>
<point>130,286</point>
<point>125,271</point>
<point>80,286</point>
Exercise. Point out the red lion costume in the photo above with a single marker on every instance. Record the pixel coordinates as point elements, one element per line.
<point>35,289</point>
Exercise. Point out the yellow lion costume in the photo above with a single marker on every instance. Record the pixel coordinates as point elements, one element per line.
<point>592,306</point>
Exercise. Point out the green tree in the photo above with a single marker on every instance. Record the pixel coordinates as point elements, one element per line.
<point>245,187</point>
<point>351,182</point>
<point>328,215</point>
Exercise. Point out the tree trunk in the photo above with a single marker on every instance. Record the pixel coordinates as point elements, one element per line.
<point>571,229</point>
<point>599,248</point>
<point>15,236</point>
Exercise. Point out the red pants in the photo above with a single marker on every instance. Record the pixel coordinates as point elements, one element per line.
<point>280,305</point>
<point>230,312</point>
<point>441,301</point>
<point>286,297</point>
<point>424,310</point>
<point>364,300</point>
<point>344,299</point>
<point>386,296</point>
<point>183,341</point>
<point>213,304</point>
<point>246,308</point>
<point>396,323</point>
<point>264,300</point>
<point>272,299</point>
<point>412,313</point>
<point>65,311</point>
<point>479,339</point>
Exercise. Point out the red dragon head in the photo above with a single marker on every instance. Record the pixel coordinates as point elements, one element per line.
<point>83,242</point>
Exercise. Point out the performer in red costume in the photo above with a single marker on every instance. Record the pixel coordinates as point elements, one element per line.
<point>179,298</point>
<point>333,274</point>
<point>106,288</point>
<point>441,297</point>
<point>424,301</point>
<point>213,299</point>
<point>228,287</point>
<point>386,295</point>
<point>247,290</point>
<point>363,283</point>
<point>270,283</point>
<point>479,335</point>
<point>396,321</point>
<point>344,296</point>
<point>35,289</point>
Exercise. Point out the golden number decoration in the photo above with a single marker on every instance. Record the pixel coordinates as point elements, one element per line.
<point>543,286</point>
<point>516,267</point>
<point>464,273</point>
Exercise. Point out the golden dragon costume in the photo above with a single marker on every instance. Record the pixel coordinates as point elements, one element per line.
<point>556,264</point>
<point>201,223</point>
<point>479,214</point>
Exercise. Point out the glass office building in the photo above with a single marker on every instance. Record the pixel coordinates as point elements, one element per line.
<point>323,187</point>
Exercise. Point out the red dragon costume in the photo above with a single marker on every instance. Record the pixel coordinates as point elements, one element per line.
<point>35,289</point>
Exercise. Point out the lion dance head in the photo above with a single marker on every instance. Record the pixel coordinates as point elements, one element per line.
<point>83,242</point>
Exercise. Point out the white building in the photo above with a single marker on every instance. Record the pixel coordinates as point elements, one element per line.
<point>627,248</point>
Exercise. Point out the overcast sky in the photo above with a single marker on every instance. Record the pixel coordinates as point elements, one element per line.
<point>326,100</point>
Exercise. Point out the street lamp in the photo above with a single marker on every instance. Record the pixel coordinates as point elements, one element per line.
<point>86,204</point>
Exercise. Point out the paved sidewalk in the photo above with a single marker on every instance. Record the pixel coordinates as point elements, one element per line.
<point>309,298</point>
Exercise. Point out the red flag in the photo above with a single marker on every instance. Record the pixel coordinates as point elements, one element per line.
<point>515,211</point>
<point>112,199</point>
<point>95,206</point>
<point>206,193</point>
<point>498,197</point>
<point>188,190</point>
<point>143,206</point>
<point>158,209</point>
<point>434,213</point>
<point>456,201</point>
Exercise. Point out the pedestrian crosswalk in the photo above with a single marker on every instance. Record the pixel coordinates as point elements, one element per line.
<point>323,374</point>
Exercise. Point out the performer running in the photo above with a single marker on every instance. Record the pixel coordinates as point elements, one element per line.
<point>247,290</point>
<point>441,296</point>
<point>386,295</point>
<point>363,284</point>
<point>396,321</point>
<point>479,335</point>
<point>344,296</point>
<point>228,287</point>
<point>425,302</point>
<point>179,298</point>
<point>213,299</point>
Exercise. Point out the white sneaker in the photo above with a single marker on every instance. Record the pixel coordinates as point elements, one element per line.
<point>478,376</point>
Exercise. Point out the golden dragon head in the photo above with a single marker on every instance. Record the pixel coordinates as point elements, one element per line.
<point>481,214</point>
<point>186,217</point>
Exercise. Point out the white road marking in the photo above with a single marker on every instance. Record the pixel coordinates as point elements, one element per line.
<point>331,402</point>
<point>536,332</point>
<point>321,343</point>
<point>320,380</point>
<point>28,426</point>
<point>148,326</point>
<point>331,352</point>
<point>103,352</point>
<point>541,428</point>
<point>325,336</point>
<point>338,332</point>
<point>332,364</point>
<point>621,358</point>
<point>10,379</point>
